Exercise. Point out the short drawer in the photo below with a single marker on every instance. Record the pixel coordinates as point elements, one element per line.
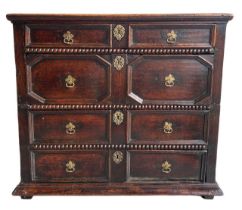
<point>161,166</point>
<point>66,35</point>
<point>172,35</point>
<point>169,79</point>
<point>87,166</point>
<point>155,127</point>
<point>69,79</point>
<point>81,127</point>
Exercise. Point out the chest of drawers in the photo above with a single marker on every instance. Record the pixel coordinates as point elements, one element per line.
<point>118,104</point>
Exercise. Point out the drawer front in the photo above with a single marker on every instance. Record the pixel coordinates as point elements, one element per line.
<point>155,35</point>
<point>88,35</point>
<point>169,79</point>
<point>69,79</point>
<point>81,127</point>
<point>158,166</point>
<point>154,127</point>
<point>87,166</point>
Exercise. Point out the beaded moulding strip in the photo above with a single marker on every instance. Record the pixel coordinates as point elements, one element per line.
<point>114,107</point>
<point>148,51</point>
<point>118,146</point>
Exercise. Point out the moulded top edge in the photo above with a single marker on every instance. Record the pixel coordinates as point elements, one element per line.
<point>120,17</point>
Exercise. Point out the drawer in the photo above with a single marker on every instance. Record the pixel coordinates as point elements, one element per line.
<point>56,35</point>
<point>161,166</point>
<point>172,35</point>
<point>69,79</point>
<point>87,166</point>
<point>81,127</point>
<point>154,127</point>
<point>169,79</point>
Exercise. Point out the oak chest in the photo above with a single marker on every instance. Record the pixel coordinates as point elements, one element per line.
<point>118,104</point>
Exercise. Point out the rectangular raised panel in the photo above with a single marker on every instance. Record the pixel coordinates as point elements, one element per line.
<point>190,77</point>
<point>89,127</point>
<point>85,35</point>
<point>147,127</point>
<point>90,166</point>
<point>90,76</point>
<point>155,35</point>
<point>147,166</point>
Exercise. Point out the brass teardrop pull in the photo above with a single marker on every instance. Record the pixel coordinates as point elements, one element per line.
<point>68,38</point>
<point>171,37</point>
<point>166,167</point>
<point>70,166</point>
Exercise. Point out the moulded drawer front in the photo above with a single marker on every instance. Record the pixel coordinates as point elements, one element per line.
<point>87,166</point>
<point>162,166</point>
<point>169,79</point>
<point>171,127</point>
<point>172,35</point>
<point>70,127</point>
<point>87,35</point>
<point>69,79</point>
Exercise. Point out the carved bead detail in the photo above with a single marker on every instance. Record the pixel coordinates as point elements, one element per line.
<point>117,106</point>
<point>115,50</point>
<point>118,146</point>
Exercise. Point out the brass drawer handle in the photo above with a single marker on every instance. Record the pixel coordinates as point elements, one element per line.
<point>118,157</point>
<point>167,128</point>
<point>171,37</point>
<point>70,128</point>
<point>70,166</point>
<point>70,81</point>
<point>166,167</point>
<point>118,117</point>
<point>119,32</point>
<point>170,80</point>
<point>68,37</point>
<point>118,62</point>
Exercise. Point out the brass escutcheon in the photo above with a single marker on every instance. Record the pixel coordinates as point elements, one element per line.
<point>118,62</point>
<point>70,166</point>
<point>118,157</point>
<point>68,37</point>
<point>166,167</point>
<point>118,117</point>
<point>119,32</point>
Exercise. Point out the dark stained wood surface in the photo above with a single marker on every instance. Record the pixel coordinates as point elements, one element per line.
<point>195,60</point>
<point>122,17</point>
<point>142,35</point>
<point>50,127</point>
<point>88,35</point>
<point>89,167</point>
<point>192,76</point>
<point>47,75</point>
<point>147,166</point>
<point>148,127</point>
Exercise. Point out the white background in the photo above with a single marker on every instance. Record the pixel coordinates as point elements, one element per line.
<point>230,142</point>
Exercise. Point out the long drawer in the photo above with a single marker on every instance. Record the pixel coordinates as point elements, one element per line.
<point>165,166</point>
<point>87,166</point>
<point>81,127</point>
